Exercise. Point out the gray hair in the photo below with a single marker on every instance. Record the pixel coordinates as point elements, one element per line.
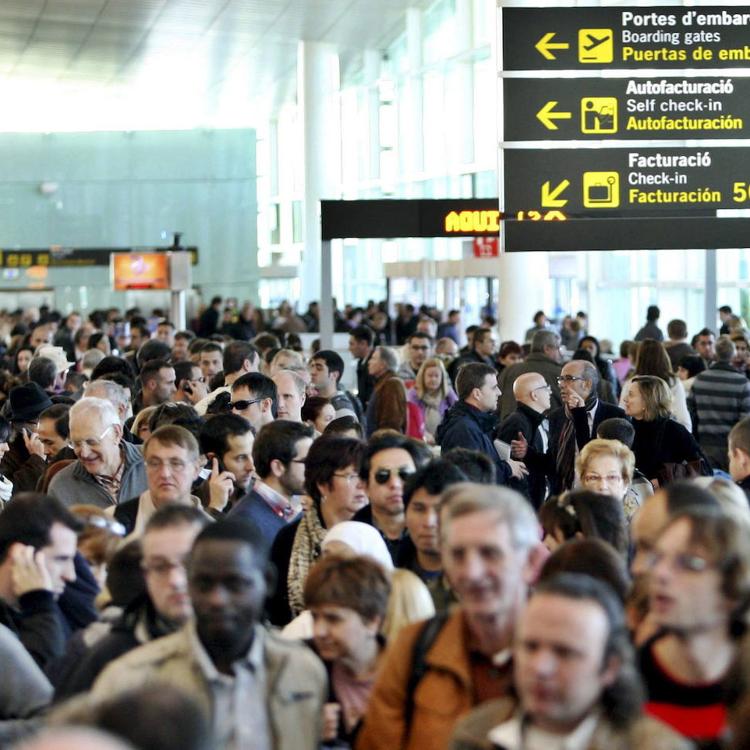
<point>510,508</point>
<point>107,390</point>
<point>725,349</point>
<point>299,383</point>
<point>590,372</point>
<point>389,357</point>
<point>103,409</point>
<point>543,339</point>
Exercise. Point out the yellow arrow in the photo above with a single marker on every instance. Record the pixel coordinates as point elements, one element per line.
<point>545,44</point>
<point>551,198</point>
<point>547,116</point>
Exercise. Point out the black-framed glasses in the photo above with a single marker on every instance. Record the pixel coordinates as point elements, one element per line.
<point>381,476</point>
<point>569,379</point>
<point>242,405</point>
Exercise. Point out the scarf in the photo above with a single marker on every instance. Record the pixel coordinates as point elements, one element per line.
<point>566,449</point>
<point>305,551</point>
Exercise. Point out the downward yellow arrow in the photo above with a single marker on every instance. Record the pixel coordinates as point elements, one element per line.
<point>547,116</point>
<point>545,44</point>
<point>551,198</point>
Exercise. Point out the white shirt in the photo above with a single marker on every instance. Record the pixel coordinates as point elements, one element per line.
<point>519,734</point>
<point>240,713</point>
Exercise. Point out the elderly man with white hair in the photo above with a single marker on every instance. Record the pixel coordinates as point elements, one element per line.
<point>113,392</point>
<point>108,469</point>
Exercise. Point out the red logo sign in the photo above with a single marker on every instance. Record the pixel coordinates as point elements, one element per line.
<point>486,247</point>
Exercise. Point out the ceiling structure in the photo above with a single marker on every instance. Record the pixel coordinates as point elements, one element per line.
<point>131,64</point>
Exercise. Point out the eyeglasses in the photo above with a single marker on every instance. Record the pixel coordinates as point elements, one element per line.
<point>569,379</point>
<point>545,387</point>
<point>684,562</point>
<point>350,478</point>
<point>176,465</point>
<point>76,445</point>
<point>381,476</point>
<point>242,405</point>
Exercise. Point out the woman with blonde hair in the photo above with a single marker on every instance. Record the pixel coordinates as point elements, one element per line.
<point>432,394</point>
<point>652,359</point>
<point>606,467</point>
<point>664,450</point>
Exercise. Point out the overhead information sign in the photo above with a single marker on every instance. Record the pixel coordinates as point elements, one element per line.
<point>623,38</point>
<point>634,79</point>
<point>74,257</point>
<point>627,182</point>
<point>626,108</point>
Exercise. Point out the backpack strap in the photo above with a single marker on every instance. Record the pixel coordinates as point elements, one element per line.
<point>425,640</point>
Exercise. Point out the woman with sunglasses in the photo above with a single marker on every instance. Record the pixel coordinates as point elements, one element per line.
<point>333,482</point>
<point>661,443</point>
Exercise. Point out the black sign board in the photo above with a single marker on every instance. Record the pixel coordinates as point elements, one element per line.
<point>670,108</point>
<point>73,257</point>
<point>467,217</point>
<point>627,181</point>
<point>637,233</point>
<point>641,37</point>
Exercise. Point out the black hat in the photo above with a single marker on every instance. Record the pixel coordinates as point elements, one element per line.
<point>27,402</point>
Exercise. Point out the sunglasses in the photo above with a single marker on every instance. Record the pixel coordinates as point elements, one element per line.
<point>381,476</point>
<point>242,405</point>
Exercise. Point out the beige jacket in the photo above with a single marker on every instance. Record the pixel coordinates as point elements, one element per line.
<point>296,679</point>
<point>643,734</point>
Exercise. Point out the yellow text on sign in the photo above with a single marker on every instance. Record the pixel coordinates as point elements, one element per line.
<point>599,114</point>
<point>601,189</point>
<point>596,46</point>
<point>473,221</point>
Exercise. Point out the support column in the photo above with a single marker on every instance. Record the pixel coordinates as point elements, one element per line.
<point>464,34</point>
<point>317,98</point>
<point>711,291</point>
<point>523,290</point>
<point>411,120</point>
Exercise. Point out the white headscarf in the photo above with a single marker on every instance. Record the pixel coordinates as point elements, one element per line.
<point>363,539</point>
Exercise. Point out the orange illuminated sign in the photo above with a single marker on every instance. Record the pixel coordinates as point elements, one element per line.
<point>140,271</point>
<point>473,222</point>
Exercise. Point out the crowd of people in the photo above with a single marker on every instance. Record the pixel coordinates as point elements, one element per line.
<point>207,542</point>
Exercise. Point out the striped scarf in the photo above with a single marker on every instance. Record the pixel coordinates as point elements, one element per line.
<point>565,460</point>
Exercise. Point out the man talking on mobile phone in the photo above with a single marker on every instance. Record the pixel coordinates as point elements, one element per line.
<point>37,545</point>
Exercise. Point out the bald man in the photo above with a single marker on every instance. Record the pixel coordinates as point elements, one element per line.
<point>526,429</point>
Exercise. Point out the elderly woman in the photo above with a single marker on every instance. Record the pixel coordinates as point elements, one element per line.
<point>432,395</point>
<point>347,598</point>
<point>663,448</point>
<point>332,480</point>
<point>606,468</point>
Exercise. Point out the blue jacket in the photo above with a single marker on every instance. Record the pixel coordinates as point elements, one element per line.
<point>464,426</point>
<point>254,509</point>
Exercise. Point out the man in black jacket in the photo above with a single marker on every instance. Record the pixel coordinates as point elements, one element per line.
<point>528,424</point>
<point>471,422</point>
<point>38,538</point>
<point>573,425</point>
<point>167,540</point>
